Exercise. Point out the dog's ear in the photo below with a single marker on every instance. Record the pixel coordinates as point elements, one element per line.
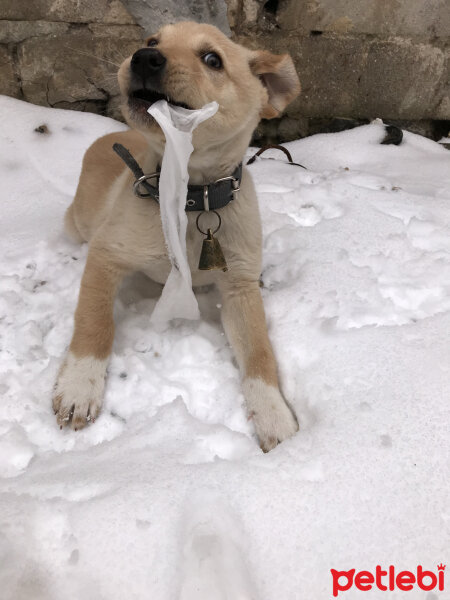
<point>278,75</point>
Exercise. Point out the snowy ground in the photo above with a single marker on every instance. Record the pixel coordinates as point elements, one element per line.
<point>168,496</point>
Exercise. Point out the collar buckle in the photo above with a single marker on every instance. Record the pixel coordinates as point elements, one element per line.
<point>235,183</point>
<point>142,181</point>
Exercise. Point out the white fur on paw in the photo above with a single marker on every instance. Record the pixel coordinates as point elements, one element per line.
<point>78,394</point>
<point>273,419</point>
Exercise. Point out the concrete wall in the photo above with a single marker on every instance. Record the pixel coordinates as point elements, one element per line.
<point>357,59</point>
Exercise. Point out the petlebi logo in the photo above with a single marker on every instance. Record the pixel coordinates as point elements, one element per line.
<point>389,579</point>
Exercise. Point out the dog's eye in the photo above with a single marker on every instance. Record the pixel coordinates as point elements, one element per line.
<point>152,42</point>
<point>213,60</point>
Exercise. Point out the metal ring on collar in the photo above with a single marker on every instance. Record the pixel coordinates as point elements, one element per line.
<point>215,230</point>
<point>139,181</point>
<point>234,183</point>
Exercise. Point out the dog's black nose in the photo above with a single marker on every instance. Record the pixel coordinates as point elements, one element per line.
<point>147,62</point>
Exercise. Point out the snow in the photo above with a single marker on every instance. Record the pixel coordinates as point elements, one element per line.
<point>167,495</point>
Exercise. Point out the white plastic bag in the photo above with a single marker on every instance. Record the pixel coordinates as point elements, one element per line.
<point>177,298</point>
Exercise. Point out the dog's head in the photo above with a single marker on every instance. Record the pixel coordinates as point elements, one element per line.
<point>191,64</point>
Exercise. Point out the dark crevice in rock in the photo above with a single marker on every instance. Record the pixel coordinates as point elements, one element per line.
<point>98,107</point>
<point>271,6</point>
<point>442,129</point>
<point>15,64</point>
<point>286,128</point>
<point>79,26</point>
<point>431,128</point>
<point>47,92</point>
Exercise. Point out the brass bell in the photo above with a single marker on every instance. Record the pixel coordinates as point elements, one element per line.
<point>212,256</point>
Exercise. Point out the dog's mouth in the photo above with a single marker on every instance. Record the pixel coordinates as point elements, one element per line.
<point>141,99</point>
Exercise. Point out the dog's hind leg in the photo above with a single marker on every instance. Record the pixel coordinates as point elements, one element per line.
<point>245,325</point>
<point>79,387</point>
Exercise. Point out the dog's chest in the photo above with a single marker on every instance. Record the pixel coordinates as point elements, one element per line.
<point>159,268</point>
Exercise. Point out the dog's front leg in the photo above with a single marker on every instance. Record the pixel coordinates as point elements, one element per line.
<point>79,386</point>
<point>245,325</point>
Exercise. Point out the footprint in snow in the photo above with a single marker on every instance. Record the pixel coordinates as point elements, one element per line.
<point>213,559</point>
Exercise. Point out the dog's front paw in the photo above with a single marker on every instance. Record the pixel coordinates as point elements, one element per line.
<point>78,393</point>
<point>273,419</point>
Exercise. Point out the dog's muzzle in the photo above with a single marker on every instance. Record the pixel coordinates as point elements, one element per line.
<point>147,69</point>
<point>147,64</point>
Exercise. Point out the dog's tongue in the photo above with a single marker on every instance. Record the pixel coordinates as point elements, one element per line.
<point>177,298</point>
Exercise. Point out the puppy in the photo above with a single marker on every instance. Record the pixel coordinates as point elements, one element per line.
<point>190,65</point>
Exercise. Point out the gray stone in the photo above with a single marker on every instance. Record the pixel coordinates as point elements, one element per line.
<point>81,11</point>
<point>17,31</point>
<point>357,58</point>
<point>443,109</point>
<point>363,77</point>
<point>77,67</point>
<point>152,14</point>
<point>402,79</point>
<point>428,19</point>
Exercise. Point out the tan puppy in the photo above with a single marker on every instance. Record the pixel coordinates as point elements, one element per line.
<point>191,65</point>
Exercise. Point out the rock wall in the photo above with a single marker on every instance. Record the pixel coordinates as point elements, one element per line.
<point>357,59</point>
<point>64,53</point>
